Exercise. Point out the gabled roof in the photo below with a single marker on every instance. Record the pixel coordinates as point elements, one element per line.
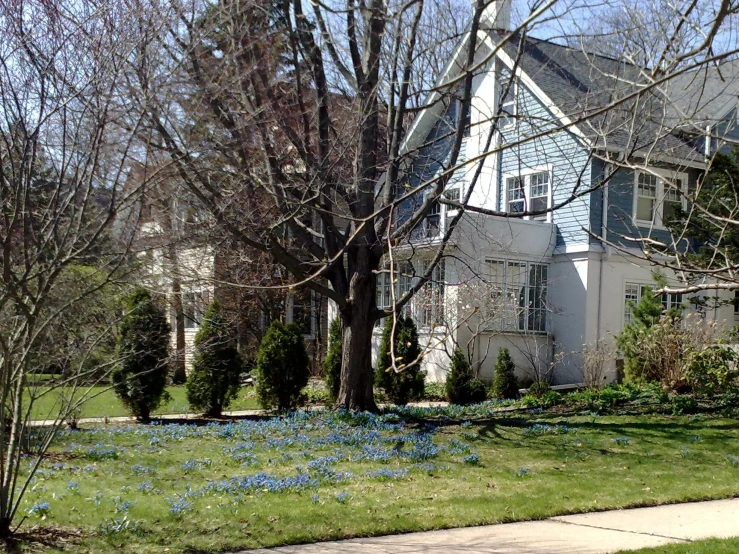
<point>597,90</point>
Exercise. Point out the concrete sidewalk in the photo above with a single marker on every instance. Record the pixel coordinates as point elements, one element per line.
<point>596,533</point>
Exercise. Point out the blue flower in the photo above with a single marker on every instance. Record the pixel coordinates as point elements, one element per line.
<point>472,459</point>
<point>342,497</point>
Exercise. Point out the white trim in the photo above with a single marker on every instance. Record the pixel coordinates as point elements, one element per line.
<point>525,175</point>
<point>662,175</point>
<point>536,90</point>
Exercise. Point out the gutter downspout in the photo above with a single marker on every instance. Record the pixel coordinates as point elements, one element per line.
<point>603,256</point>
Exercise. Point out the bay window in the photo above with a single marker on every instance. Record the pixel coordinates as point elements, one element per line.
<point>518,295</point>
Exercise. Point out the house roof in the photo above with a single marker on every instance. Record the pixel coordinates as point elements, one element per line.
<point>705,96</point>
<point>599,92</point>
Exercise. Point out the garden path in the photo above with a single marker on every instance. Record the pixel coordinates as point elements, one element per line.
<point>592,533</point>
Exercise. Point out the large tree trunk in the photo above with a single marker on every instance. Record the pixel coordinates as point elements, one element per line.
<point>357,378</point>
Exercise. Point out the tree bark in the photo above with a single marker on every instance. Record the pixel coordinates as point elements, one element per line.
<point>357,378</point>
<point>5,532</point>
<point>180,374</point>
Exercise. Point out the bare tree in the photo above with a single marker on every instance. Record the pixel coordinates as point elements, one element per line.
<point>294,127</point>
<point>62,163</point>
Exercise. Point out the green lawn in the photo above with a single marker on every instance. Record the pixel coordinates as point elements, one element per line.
<point>713,546</point>
<point>320,476</point>
<point>102,402</point>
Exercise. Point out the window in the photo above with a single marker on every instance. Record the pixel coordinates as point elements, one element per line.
<point>646,196</point>
<point>539,184</point>
<point>518,295</point>
<point>515,195</point>
<point>427,306</point>
<point>508,104</point>
<point>633,293</point>
<point>431,298</point>
<point>673,202</point>
<point>303,310</point>
<point>658,196</point>
<point>529,192</point>
<point>453,195</point>
<point>402,282</point>
<point>194,304</point>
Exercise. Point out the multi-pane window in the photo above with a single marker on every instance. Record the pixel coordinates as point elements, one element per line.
<point>539,194</point>
<point>427,306</point>
<point>646,196</point>
<point>673,202</point>
<point>452,194</point>
<point>401,281</point>
<point>518,295</point>
<point>658,198</point>
<point>194,304</point>
<point>431,298</point>
<point>633,293</point>
<point>515,195</point>
<point>530,192</point>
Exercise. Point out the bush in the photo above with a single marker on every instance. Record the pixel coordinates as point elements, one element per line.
<point>660,345</point>
<point>143,346</point>
<point>434,391</point>
<point>408,383</point>
<point>538,388</point>
<point>505,384</point>
<point>544,400</point>
<point>332,363</point>
<point>462,387</point>
<point>213,381</point>
<point>711,370</point>
<point>282,366</point>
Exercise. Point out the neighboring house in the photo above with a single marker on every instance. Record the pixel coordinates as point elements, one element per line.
<point>190,266</point>
<point>551,283</point>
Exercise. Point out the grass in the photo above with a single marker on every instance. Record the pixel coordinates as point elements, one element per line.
<point>102,402</point>
<point>711,546</point>
<point>320,476</point>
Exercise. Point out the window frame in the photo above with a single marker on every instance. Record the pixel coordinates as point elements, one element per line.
<point>525,176</point>
<point>406,274</point>
<point>521,321</point>
<point>200,301</point>
<point>641,286</point>
<point>663,176</point>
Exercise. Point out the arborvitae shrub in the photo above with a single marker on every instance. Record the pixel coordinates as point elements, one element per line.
<point>462,387</point>
<point>216,369</point>
<point>143,349</point>
<point>505,384</point>
<point>332,363</point>
<point>406,385</point>
<point>282,366</point>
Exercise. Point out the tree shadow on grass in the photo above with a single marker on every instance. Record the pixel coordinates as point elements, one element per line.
<point>45,537</point>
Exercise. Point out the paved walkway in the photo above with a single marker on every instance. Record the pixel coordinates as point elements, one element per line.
<point>597,533</point>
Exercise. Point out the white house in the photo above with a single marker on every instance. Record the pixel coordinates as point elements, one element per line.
<point>551,283</point>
